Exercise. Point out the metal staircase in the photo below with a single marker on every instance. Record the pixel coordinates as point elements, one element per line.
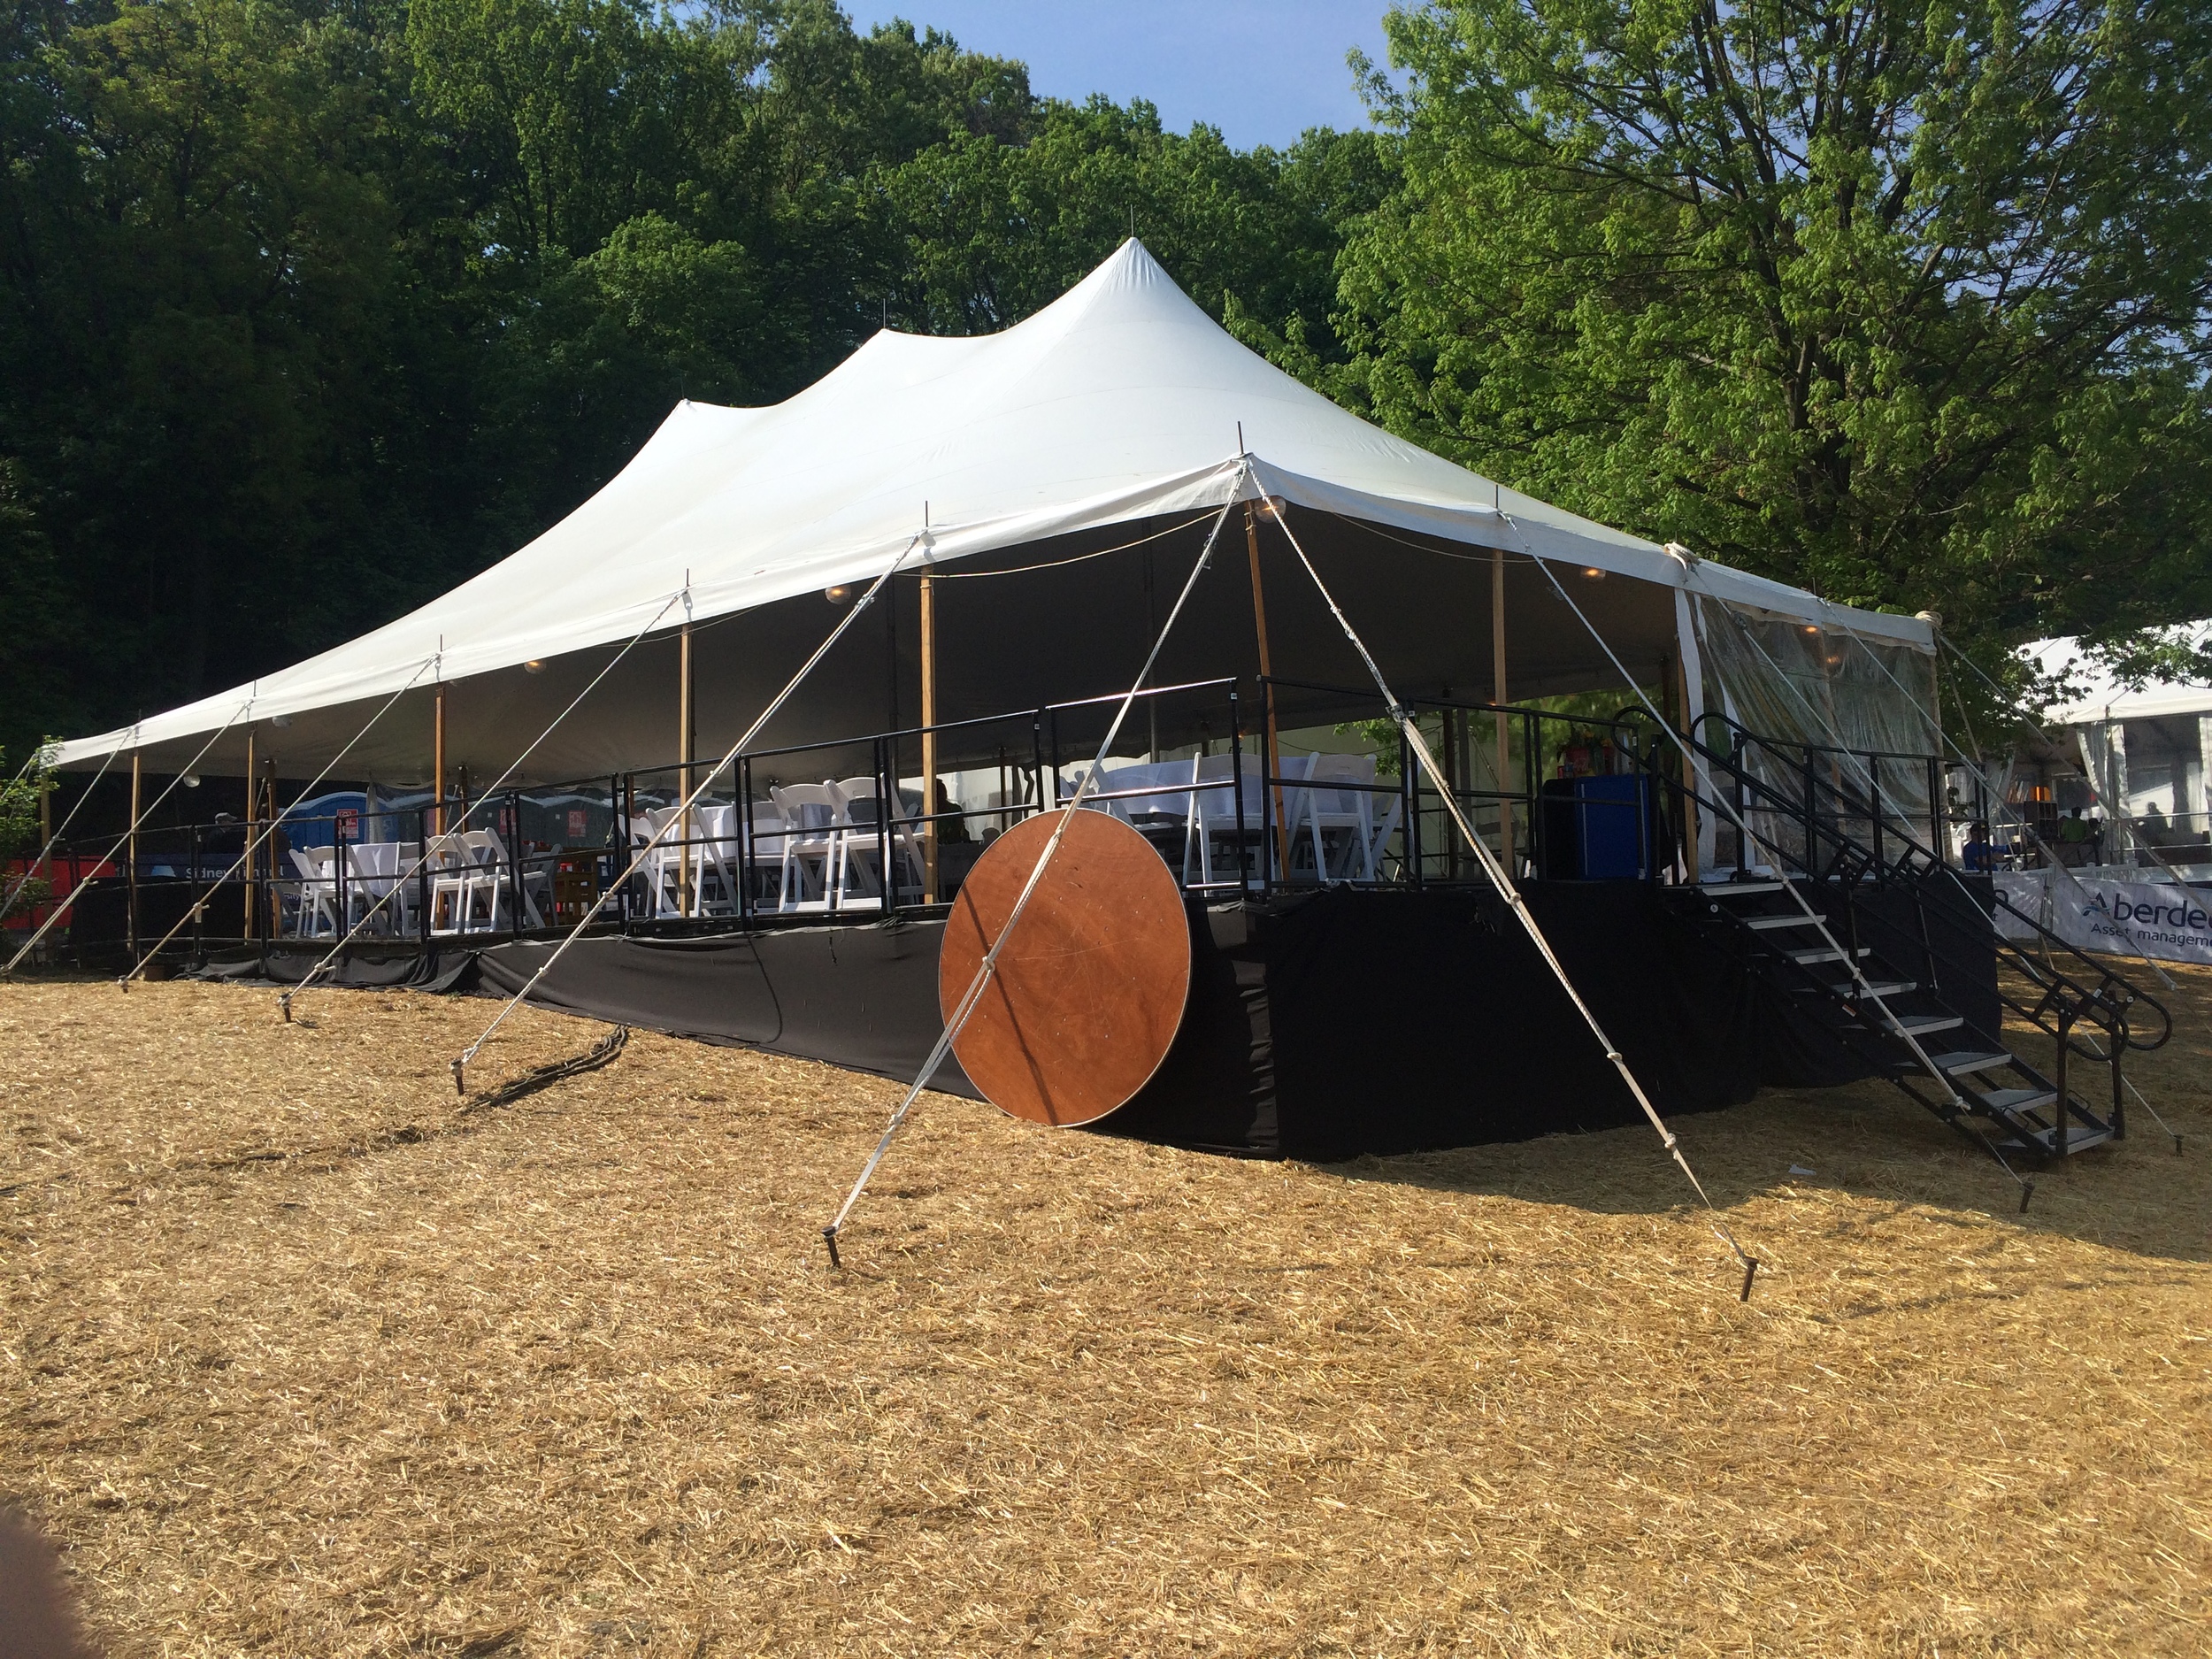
<point>1838,902</point>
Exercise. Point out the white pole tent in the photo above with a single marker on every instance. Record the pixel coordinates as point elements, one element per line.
<point>2143,746</point>
<point>1107,416</point>
<point>927,582</point>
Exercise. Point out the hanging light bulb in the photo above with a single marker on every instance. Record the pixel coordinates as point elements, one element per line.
<point>838,594</point>
<point>535,666</point>
<point>1593,573</point>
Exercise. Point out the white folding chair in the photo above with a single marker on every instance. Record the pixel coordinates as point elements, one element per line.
<point>451,870</point>
<point>714,860</point>
<point>1213,812</point>
<point>765,833</point>
<point>371,876</point>
<point>860,843</point>
<point>1341,820</point>
<point>811,814</point>
<point>1290,800</point>
<point>663,867</point>
<point>317,911</point>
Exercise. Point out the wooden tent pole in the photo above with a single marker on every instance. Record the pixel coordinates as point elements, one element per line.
<point>252,819</point>
<point>929,743</point>
<point>131,857</point>
<point>1498,696</point>
<point>1259,622</point>
<point>684,754</point>
<point>437,765</point>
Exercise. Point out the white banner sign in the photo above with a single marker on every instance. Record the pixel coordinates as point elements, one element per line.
<point>2127,917</point>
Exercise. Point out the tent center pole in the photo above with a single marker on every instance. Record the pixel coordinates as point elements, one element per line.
<point>929,744</point>
<point>1498,696</point>
<point>1271,763</point>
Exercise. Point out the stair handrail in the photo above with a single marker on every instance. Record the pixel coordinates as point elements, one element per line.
<point>2099,1005</point>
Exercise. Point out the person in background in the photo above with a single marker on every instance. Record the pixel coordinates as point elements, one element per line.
<point>1980,858</point>
<point>2073,838</point>
<point>949,828</point>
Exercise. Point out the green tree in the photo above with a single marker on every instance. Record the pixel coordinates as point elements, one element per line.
<point>1904,304</point>
<point>993,230</point>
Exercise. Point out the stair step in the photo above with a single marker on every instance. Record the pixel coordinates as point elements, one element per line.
<point>1760,924</point>
<point>1924,1025</point>
<point>1738,890</point>
<point>2079,1138</point>
<point>2017,1099</point>
<point>1889,988</point>
<point>1826,953</point>
<point>1959,1062</point>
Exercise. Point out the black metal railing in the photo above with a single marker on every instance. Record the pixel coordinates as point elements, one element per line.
<point>1241,807</point>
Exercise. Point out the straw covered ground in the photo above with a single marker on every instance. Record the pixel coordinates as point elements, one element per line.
<point>300,1358</point>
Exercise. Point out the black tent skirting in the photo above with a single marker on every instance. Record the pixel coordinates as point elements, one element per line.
<point>1321,1027</point>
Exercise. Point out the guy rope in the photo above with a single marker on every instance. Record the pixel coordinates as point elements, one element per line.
<point>682,814</point>
<point>1511,893</point>
<point>430,847</point>
<point>253,845</point>
<point>966,1006</point>
<point>123,840</point>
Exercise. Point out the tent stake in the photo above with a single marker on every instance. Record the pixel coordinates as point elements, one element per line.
<point>829,1237</point>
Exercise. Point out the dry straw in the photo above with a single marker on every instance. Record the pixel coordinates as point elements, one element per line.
<point>300,1356</point>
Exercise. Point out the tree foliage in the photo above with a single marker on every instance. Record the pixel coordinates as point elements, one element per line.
<point>1905,305</point>
<point>311,308</point>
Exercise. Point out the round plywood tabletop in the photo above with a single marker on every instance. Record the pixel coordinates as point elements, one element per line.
<point>1089,992</point>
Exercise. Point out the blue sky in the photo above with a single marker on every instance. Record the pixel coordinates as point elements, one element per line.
<point>1261,71</point>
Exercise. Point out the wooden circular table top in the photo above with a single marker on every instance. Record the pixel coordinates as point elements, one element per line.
<point>1089,992</point>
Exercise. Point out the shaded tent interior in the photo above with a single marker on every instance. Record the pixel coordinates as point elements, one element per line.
<point>1055,621</point>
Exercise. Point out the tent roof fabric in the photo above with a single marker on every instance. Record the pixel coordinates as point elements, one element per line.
<point>1119,401</point>
<point>2100,697</point>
